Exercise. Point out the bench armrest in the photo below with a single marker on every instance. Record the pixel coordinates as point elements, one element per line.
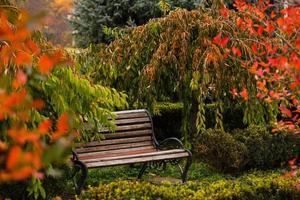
<point>171,142</point>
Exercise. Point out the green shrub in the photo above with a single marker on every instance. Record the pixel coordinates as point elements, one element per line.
<point>221,150</point>
<point>253,147</point>
<point>253,186</point>
<point>267,149</point>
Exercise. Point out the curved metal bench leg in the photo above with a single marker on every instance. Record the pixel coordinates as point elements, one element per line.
<point>143,169</point>
<point>187,167</point>
<point>79,166</point>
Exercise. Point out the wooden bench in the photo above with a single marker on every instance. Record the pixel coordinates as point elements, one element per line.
<point>132,142</point>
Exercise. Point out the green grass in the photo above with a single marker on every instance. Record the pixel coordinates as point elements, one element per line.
<point>198,171</point>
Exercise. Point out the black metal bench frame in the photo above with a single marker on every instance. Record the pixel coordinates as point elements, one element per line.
<point>81,169</point>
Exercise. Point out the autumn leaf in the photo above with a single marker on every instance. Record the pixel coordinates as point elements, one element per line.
<point>62,126</point>
<point>13,157</point>
<point>234,92</point>
<point>45,64</point>
<point>38,104</point>
<point>260,30</point>
<point>270,28</point>
<point>220,41</point>
<point>23,58</point>
<point>20,80</point>
<point>45,126</point>
<point>236,51</point>
<point>33,47</point>
<point>285,110</point>
<point>239,21</point>
<point>244,94</point>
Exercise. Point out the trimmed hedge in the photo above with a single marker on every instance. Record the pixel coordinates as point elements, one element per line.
<point>253,186</point>
<point>220,150</point>
<point>253,147</point>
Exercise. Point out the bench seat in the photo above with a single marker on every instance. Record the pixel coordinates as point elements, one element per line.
<point>133,141</point>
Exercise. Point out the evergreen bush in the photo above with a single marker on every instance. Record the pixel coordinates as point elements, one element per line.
<point>90,17</point>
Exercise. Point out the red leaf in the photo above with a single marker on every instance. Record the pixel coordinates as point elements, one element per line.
<point>233,91</point>
<point>217,39</point>
<point>260,30</point>
<point>224,12</point>
<point>236,51</point>
<point>254,48</point>
<point>297,44</point>
<point>224,41</point>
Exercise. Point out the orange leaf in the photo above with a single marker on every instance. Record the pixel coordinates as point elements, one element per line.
<point>270,28</point>
<point>273,14</point>
<point>3,146</point>
<point>45,126</point>
<point>13,157</point>
<point>285,111</point>
<point>33,47</point>
<point>62,126</point>
<point>23,58</point>
<point>22,173</point>
<point>63,123</point>
<point>45,64</point>
<point>280,22</point>
<point>244,94</point>
<point>38,104</point>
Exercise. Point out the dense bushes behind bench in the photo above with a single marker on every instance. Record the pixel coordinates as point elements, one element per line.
<point>253,186</point>
<point>253,147</point>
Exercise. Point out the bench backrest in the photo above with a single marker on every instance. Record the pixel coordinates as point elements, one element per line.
<point>134,132</point>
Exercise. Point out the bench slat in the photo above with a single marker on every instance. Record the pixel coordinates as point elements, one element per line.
<point>129,127</point>
<point>131,115</point>
<point>131,121</point>
<point>110,154</point>
<point>136,160</point>
<point>128,134</point>
<point>114,146</point>
<point>117,151</point>
<point>118,141</point>
<point>141,155</point>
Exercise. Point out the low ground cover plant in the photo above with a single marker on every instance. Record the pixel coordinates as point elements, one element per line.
<point>251,186</point>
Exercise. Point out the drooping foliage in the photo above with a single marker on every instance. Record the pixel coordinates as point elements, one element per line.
<point>91,16</point>
<point>178,56</point>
